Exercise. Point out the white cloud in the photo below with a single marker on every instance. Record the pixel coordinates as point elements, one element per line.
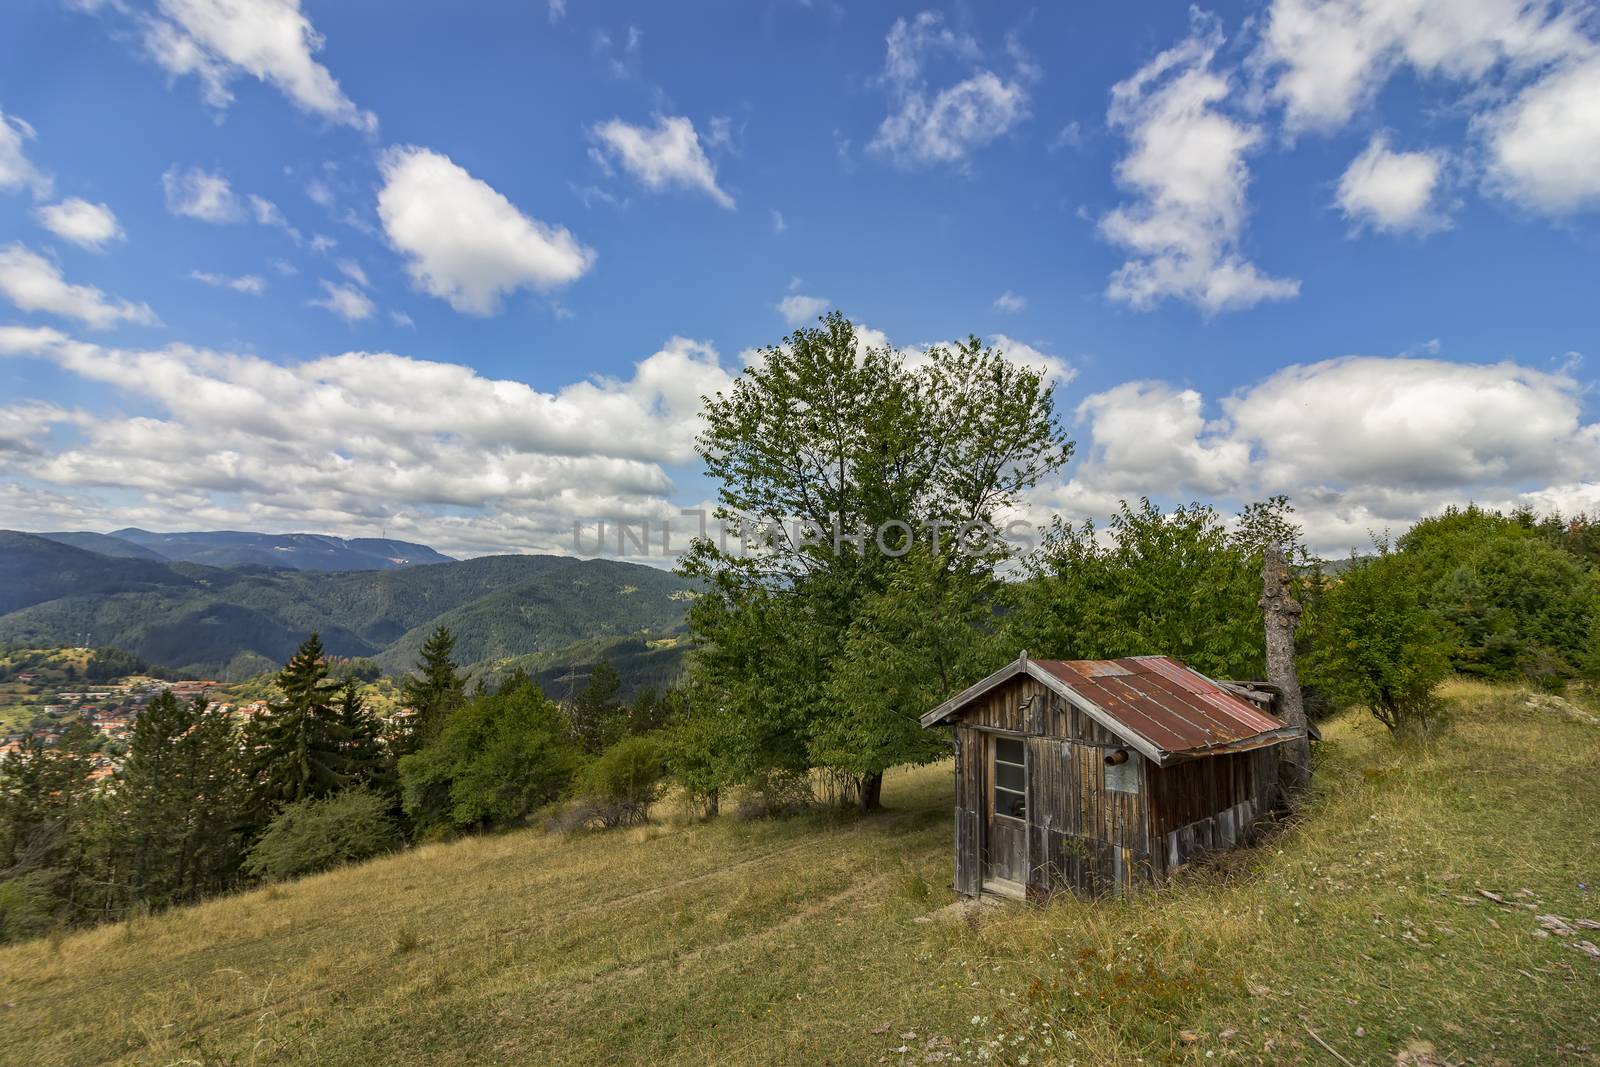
<point>250,284</point>
<point>1327,59</point>
<point>778,225</point>
<point>201,194</point>
<point>33,283</point>
<point>87,225</point>
<point>943,127</point>
<point>1056,370</point>
<point>1186,166</point>
<point>340,443</point>
<point>345,301</point>
<point>463,241</point>
<point>270,40</point>
<point>798,309</point>
<point>1010,302</point>
<point>1392,191</point>
<point>400,318</point>
<point>16,170</point>
<point>1544,147</point>
<point>352,270</point>
<point>1359,443</point>
<point>668,155</point>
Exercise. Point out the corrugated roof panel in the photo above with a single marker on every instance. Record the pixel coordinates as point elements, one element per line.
<point>1176,709</point>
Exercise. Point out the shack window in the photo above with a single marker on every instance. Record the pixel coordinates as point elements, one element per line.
<point>1010,797</point>
<point>1122,771</point>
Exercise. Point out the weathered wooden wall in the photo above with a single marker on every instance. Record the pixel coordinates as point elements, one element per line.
<point>1080,835</point>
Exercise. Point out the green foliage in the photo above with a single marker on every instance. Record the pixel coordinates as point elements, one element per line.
<point>180,800</point>
<point>597,715</point>
<point>1375,644</point>
<point>499,757</point>
<point>842,438</point>
<point>1513,605</point>
<point>319,833</point>
<point>1177,584</point>
<point>27,906</point>
<point>298,749</point>
<point>433,691</point>
<point>108,663</point>
<point>619,785</point>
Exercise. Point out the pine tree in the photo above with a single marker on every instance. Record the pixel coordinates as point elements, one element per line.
<point>180,790</point>
<point>597,715</point>
<point>298,747</point>
<point>432,692</point>
<point>369,762</point>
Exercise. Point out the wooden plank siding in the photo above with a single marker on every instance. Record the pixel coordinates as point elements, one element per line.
<point>1081,836</point>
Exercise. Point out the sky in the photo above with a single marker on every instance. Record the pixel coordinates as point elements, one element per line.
<point>461,274</point>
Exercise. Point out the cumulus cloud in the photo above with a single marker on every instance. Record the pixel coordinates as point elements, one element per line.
<point>1055,370</point>
<point>86,225</point>
<point>34,283</point>
<point>270,40</point>
<point>463,241</point>
<point>928,127</point>
<point>201,194</point>
<point>16,170</point>
<point>665,156</point>
<point>1361,444</point>
<point>1186,168</point>
<point>1010,302</point>
<point>1392,191</point>
<point>1529,73</point>
<point>1327,59</point>
<point>797,309</point>
<point>250,284</point>
<point>340,443</point>
<point>1544,147</point>
<point>345,301</point>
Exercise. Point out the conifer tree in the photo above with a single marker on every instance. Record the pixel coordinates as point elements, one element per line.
<point>432,692</point>
<point>298,747</point>
<point>597,715</point>
<point>368,758</point>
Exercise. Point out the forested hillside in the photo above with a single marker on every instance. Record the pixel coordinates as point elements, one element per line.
<point>237,622</point>
<point>237,548</point>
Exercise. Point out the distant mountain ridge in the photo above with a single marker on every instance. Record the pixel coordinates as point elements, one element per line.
<point>234,622</point>
<point>243,548</point>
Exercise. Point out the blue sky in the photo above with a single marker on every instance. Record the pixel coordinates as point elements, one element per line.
<point>356,266</point>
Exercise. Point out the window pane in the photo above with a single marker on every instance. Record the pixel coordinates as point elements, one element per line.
<point>1008,776</point>
<point>1009,803</point>
<point>1008,750</point>
<point>1123,777</point>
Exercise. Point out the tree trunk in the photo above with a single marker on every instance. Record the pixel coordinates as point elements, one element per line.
<point>871,791</point>
<point>713,803</point>
<point>1281,615</point>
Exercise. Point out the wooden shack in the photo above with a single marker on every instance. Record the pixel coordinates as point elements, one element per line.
<point>1096,775</point>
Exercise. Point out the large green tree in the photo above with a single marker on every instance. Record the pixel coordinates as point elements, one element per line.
<point>432,692</point>
<point>298,748</point>
<point>834,457</point>
<point>1184,583</point>
<point>178,803</point>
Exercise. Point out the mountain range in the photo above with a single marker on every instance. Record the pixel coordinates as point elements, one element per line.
<point>235,548</point>
<point>231,622</point>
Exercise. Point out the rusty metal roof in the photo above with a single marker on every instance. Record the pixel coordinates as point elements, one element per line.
<point>1161,707</point>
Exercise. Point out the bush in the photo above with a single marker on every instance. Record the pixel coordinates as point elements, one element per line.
<point>26,906</point>
<point>498,758</point>
<point>314,835</point>
<point>1376,645</point>
<point>622,783</point>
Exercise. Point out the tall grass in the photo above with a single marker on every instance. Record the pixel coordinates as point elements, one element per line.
<point>821,939</point>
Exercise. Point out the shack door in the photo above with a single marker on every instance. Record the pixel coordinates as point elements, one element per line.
<point>1005,843</point>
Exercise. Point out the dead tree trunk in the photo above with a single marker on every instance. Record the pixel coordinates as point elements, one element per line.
<point>1281,614</point>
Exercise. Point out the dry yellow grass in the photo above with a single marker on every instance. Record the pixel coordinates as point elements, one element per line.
<point>799,942</point>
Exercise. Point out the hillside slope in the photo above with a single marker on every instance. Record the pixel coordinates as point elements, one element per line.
<point>236,622</point>
<point>299,551</point>
<point>804,941</point>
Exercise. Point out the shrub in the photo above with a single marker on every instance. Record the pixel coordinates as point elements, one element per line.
<point>26,906</point>
<point>775,794</point>
<point>622,783</point>
<point>314,835</point>
<point>498,758</point>
<point>1376,645</point>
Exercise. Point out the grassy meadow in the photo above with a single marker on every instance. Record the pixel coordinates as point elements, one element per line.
<point>1368,930</point>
